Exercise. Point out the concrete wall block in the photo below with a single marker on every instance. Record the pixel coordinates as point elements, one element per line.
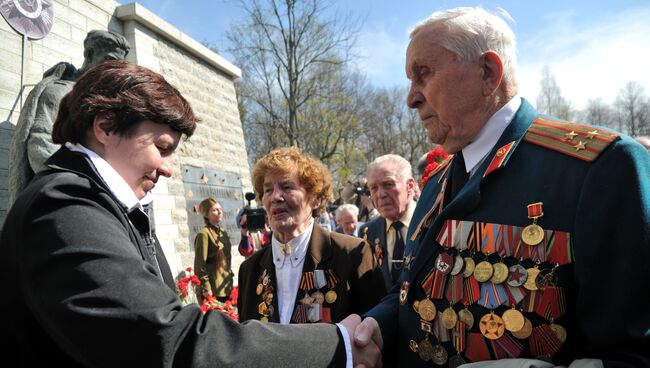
<point>11,41</point>
<point>62,2</point>
<point>167,231</point>
<point>49,56</point>
<point>7,101</point>
<point>106,6</point>
<point>11,61</point>
<point>162,217</point>
<point>70,16</point>
<point>116,25</point>
<point>92,11</point>
<point>61,28</point>
<point>163,202</point>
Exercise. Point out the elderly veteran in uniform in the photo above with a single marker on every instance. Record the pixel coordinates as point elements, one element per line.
<point>308,274</point>
<point>78,282</point>
<point>530,246</point>
<point>392,189</point>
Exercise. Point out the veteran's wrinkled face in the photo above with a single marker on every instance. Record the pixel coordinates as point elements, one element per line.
<point>288,205</point>
<point>348,221</point>
<point>447,93</point>
<point>390,193</point>
<point>143,157</point>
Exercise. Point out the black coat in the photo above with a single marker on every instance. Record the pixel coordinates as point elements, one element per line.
<point>77,290</point>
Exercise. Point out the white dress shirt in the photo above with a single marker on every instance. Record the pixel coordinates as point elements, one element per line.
<point>476,152</point>
<point>390,232</point>
<point>288,270</point>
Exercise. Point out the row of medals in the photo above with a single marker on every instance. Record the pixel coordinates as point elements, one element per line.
<point>492,326</point>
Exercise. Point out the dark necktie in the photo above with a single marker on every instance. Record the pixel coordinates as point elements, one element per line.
<point>459,177</point>
<point>398,251</point>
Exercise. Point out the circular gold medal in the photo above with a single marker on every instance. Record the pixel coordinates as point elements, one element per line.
<point>532,234</point>
<point>413,345</point>
<point>439,355</point>
<point>530,281</point>
<point>425,350</point>
<point>264,320</point>
<point>492,326</point>
<point>319,298</point>
<point>525,331</point>
<point>330,296</point>
<point>465,316</point>
<point>259,289</point>
<point>559,331</point>
<point>500,273</point>
<point>469,267</point>
<point>459,263</point>
<point>449,318</point>
<point>483,271</point>
<point>427,309</point>
<point>513,320</point>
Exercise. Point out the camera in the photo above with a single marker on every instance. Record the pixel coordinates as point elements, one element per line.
<point>255,217</point>
<point>362,190</point>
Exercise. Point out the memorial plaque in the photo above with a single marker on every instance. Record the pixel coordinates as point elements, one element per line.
<point>200,183</point>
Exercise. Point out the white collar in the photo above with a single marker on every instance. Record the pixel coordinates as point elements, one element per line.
<point>299,246</point>
<point>112,178</point>
<point>406,219</point>
<point>475,152</point>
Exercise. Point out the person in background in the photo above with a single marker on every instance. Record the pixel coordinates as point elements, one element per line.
<point>76,276</point>
<point>528,248</point>
<point>308,274</point>
<point>253,240</point>
<point>347,218</point>
<point>212,257</point>
<point>392,189</point>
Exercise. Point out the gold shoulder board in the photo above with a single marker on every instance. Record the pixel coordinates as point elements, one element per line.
<point>580,141</point>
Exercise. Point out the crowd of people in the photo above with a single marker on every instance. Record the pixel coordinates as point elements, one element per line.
<point>525,247</point>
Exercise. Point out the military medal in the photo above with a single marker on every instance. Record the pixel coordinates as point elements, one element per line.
<point>330,296</point>
<point>416,305</point>
<point>459,263</point>
<point>403,293</point>
<point>427,310</point>
<point>546,278</point>
<point>530,283</point>
<point>449,318</point>
<point>425,349</point>
<point>513,319</point>
<point>439,355</point>
<point>525,331</point>
<point>500,273</point>
<point>483,271</point>
<point>469,267</point>
<point>491,326</point>
<point>517,275</point>
<point>319,298</point>
<point>259,289</point>
<point>465,316</point>
<point>413,345</point>
<point>559,331</point>
<point>444,263</point>
<point>533,234</point>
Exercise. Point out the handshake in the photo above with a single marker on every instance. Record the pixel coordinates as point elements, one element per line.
<point>366,340</point>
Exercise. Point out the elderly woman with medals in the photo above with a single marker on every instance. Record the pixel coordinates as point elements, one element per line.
<point>308,274</point>
<point>212,253</point>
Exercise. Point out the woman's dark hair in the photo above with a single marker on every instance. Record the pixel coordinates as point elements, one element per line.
<point>125,94</point>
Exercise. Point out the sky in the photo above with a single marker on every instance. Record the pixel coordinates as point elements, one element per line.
<point>592,47</point>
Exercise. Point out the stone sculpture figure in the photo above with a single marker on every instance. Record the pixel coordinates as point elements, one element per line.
<point>32,141</point>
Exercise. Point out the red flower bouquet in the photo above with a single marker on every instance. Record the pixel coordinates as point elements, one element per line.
<point>434,158</point>
<point>188,286</point>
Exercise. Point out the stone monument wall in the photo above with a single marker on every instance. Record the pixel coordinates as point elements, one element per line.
<point>202,76</point>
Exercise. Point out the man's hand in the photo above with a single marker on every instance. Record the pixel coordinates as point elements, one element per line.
<point>365,339</point>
